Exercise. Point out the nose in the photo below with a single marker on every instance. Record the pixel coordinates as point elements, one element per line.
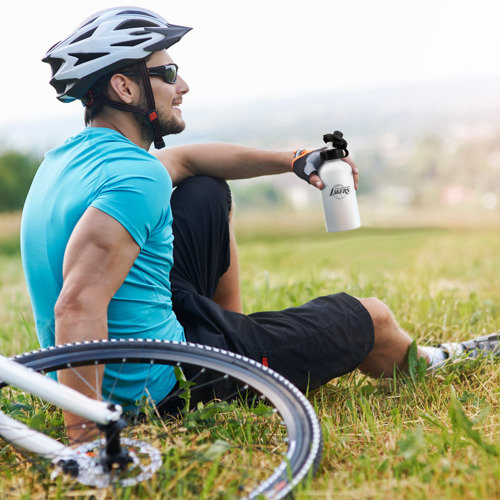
<point>182,86</point>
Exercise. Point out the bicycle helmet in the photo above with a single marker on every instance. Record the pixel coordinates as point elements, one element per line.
<point>104,42</point>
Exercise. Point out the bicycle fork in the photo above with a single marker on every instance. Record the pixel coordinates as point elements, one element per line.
<point>113,453</point>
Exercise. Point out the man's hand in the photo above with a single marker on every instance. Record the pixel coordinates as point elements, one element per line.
<point>307,164</point>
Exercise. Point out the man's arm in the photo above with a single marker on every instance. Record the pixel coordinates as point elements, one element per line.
<point>97,259</point>
<point>231,161</point>
<point>228,161</point>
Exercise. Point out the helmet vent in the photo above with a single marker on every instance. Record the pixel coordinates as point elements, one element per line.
<point>130,43</point>
<point>61,85</point>
<point>138,13</point>
<point>136,24</point>
<point>55,64</point>
<point>88,34</point>
<point>88,22</point>
<point>83,58</point>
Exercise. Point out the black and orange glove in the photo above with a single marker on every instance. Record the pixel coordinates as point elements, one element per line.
<point>307,162</point>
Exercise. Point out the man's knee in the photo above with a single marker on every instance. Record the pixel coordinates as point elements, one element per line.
<point>391,343</point>
<point>381,315</point>
<point>202,191</point>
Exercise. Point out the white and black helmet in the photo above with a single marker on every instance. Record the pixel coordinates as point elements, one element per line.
<point>104,42</point>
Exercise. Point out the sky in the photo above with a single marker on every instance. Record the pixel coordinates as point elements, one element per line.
<point>251,50</point>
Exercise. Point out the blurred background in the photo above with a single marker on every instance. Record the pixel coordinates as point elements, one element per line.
<point>414,87</point>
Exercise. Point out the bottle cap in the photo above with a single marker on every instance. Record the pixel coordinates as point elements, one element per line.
<point>336,146</point>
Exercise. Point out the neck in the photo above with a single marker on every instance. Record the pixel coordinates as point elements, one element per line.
<point>124,123</point>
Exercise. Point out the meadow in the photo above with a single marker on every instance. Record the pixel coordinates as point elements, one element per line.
<point>414,436</point>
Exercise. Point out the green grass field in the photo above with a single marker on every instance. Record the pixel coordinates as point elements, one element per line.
<point>415,437</point>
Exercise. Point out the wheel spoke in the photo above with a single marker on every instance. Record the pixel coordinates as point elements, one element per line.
<point>261,437</point>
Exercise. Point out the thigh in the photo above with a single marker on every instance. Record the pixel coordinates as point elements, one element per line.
<point>200,208</point>
<point>309,345</point>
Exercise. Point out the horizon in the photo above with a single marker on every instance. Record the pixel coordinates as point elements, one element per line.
<point>406,99</point>
<point>287,50</point>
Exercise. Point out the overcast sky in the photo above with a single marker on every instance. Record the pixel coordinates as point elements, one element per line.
<point>264,49</point>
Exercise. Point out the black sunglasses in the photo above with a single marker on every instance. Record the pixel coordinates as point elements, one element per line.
<point>167,72</point>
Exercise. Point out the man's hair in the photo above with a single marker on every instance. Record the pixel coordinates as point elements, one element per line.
<point>93,109</point>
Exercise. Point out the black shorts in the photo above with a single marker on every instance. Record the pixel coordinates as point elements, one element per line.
<point>309,344</point>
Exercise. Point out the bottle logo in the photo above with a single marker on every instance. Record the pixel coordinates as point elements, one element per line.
<point>339,191</point>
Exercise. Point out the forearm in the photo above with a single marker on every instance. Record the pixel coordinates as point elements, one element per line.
<point>228,161</point>
<point>87,380</point>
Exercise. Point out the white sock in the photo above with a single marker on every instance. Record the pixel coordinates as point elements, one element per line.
<point>438,355</point>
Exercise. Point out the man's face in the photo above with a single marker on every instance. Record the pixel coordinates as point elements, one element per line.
<point>168,98</point>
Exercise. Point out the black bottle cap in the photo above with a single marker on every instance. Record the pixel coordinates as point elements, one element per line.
<point>339,146</point>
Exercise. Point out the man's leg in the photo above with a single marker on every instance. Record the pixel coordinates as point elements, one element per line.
<point>202,238</point>
<point>309,344</point>
<point>228,293</point>
<point>391,343</point>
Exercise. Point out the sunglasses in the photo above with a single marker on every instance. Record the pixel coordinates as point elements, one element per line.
<point>167,72</point>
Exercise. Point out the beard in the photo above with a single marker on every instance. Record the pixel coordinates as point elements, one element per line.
<point>168,126</point>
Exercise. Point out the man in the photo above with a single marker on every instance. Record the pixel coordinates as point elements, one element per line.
<point>100,219</point>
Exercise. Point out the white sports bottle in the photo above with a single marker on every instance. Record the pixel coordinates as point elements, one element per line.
<point>340,206</point>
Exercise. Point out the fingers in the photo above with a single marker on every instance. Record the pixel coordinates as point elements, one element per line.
<point>316,181</point>
<point>355,171</point>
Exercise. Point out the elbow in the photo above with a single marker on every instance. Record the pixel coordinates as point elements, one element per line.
<point>67,305</point>
<point>77,317</point>
<point>66,312</point>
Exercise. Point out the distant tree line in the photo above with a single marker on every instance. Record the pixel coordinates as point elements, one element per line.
<point>17,170</point>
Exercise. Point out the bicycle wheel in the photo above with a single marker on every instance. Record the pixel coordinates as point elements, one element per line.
<point>261,438</point>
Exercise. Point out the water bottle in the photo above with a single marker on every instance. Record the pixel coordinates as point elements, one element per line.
<point>340,206</point>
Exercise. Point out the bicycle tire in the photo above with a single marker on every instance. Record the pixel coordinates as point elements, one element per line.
<point>304,447</point>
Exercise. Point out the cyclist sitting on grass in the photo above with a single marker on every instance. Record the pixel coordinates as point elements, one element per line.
<point>111,250</point>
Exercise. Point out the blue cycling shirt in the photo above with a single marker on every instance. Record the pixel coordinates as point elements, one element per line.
<point>101,168</point>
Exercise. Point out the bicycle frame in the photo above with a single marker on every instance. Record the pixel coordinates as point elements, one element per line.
<point>106,414</point>
<point>57,394</point>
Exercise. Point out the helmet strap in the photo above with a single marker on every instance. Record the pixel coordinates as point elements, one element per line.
<point>150,112</point>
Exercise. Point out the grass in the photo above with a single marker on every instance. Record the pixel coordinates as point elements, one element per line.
<point>413,437</point>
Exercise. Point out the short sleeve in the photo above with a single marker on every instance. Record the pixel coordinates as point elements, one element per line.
<point>136,193</point>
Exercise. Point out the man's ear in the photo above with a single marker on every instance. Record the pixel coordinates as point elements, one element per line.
<point>122,88</point>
